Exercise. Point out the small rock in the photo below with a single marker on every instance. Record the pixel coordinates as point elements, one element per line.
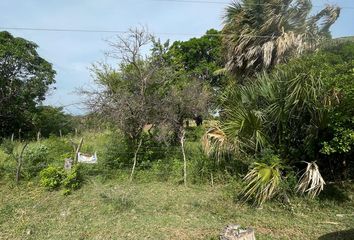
<point>235,232</point>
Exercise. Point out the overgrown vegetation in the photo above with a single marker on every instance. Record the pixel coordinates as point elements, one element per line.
<point>260,114</point>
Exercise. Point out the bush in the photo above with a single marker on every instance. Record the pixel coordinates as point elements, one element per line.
<point>7,165</point>
<point>51,177</point>
<point>117,153</point>
<point>8,146</point>
<point>73,179</point>
<point>263,181</point>
<point>35,159</point>
<point>167,169</point>
<point>152,150</point>
<point>60,148</point>
<point>194,134</point>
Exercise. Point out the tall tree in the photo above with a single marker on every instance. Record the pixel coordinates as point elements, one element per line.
<point>258,34</point>
<point>199,58</point>
<point>144,89</point>
<point>126,94</point>
<point>25,78</point>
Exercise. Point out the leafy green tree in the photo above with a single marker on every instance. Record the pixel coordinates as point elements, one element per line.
<point>259,34</point>
<point>25,78</point>
<point>50,120</point>
<point>144,90</point>
<point>199,58</point>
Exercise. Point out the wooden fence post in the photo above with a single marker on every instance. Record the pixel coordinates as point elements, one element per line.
<point>184,158</point>
<point>78,150</point>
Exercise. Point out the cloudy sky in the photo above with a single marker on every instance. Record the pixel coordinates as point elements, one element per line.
<point>72,53</point>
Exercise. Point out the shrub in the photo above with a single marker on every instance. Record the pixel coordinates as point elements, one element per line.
<point>168,169</point>
<point>51,177</point>
<point>116,153</point>
<point>119,151</point>
<point>35,159</point>
<point>7,165</point>
<point>60,148</point>
<point>194,134</point>
<point>264,178</point>
<point>73,179</point>
<point>8,146</point>
<point>152,150</point>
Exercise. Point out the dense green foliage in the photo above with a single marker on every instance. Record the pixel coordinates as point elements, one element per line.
<point>302,110</point>
<point>286,110</point>
<point>35,159</point>
<point>25,78</point>
<point>199,58</point>
<point>51,177</point>
<point>51,120</point>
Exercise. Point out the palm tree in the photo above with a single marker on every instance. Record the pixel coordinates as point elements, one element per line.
<point>258,34</point>
<point>287,108</point>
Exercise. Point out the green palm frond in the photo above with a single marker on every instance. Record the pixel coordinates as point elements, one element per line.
<point>262,182</point>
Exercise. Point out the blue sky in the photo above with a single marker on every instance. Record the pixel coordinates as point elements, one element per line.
<point>72,53</point>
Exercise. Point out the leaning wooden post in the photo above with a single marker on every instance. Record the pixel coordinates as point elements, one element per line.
<point>184,158</point>
<point>19,163</point>
<point>78,150</point>
<point>12,137</point>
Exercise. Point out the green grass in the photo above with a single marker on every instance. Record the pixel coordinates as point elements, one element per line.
<point>119,210</point>
<point>148,209</point>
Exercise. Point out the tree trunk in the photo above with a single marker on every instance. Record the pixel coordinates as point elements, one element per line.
<point>19,134</point>
<point>19,163</point>
<point>184,158</point>
<point>135,159</point>
<point>38,136</point>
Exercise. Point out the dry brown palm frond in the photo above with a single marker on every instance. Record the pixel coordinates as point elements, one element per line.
<point>215,142</point>
<point>255,43</point>
<point>267,49</point>
<point>311,182</point>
